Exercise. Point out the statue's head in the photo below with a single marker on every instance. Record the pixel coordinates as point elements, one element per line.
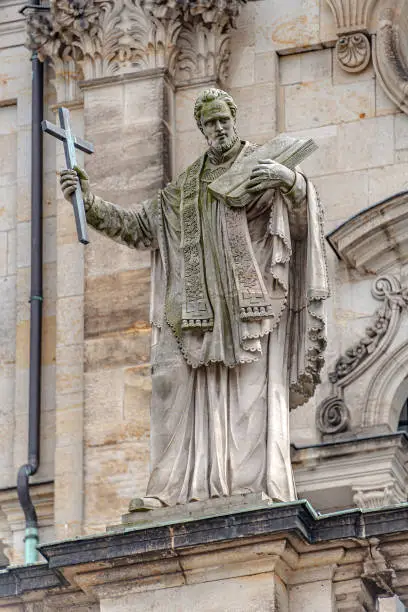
<point>215,113</point>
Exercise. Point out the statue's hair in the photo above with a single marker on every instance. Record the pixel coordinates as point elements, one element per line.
<point>209,95</point>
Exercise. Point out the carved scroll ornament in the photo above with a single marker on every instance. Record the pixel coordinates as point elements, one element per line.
<point>332,416</point>
<point>107,37</point>
<point>378,336</point>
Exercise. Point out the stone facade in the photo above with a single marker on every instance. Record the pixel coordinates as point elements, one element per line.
<point>129,72</point>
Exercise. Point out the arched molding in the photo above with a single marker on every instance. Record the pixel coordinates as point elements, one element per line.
<point>376,239</point>
<point>390,55</point>
<point>388,385</point>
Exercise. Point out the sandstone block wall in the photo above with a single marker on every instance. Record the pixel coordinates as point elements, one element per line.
<point>284,76</point>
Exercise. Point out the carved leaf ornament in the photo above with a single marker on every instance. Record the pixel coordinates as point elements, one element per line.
<point>105,37</point>
<point>383,327</point>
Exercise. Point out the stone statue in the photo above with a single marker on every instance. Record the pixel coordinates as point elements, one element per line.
<point>238,329</point>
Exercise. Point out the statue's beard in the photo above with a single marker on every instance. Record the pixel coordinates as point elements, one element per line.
<point>220,148</point>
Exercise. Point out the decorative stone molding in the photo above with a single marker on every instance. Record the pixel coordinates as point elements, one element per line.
<point>204,53</point>
<point>103,37</point>
<point>332,416</point>
<point>353,50</point>
<point>379,497</point>
<point>351,15</point>
<point>375,240</point>
<point>359,357</point>
<point>388,386</point>
<point>390,56</point>
<point>110,37</point>
<point>195,11</point>
<point>368,471</point>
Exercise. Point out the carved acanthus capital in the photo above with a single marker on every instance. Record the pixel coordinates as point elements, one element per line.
<point>351,15</point>
<point>108,37</point>
<point>204,41</point>
<point>103,37</point>
<point>378,496</point>
<point>197,11</point>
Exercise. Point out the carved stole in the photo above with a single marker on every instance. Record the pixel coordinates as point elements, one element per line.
<point>253,298</point>
<point>196,308</point>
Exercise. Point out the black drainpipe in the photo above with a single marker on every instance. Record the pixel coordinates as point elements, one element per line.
<point>36,300</point>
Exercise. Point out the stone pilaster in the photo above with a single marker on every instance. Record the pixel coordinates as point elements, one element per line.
<point>131,163</point>
<point>69,401</point>
<point>117,64</point>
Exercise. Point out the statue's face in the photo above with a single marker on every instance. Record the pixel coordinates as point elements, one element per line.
<point>218,125</point>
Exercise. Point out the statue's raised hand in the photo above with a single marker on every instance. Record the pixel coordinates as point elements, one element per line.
<point>269,174</point>
<point>69,181</point>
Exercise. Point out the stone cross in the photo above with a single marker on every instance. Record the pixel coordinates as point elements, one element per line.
<point>64,133</point>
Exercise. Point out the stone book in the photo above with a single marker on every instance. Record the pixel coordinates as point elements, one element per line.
<point>289,151</point>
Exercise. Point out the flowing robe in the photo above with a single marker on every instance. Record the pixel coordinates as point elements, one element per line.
<point>221,395</point>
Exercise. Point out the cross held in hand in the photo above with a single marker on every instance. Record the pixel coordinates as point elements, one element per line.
<point>71,142</point>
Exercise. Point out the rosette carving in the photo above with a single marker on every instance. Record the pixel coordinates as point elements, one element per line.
<point>353,52</point>
<point>332,416</point>
<point>107,37</point>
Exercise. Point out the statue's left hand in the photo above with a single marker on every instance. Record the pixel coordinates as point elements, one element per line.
<point>270,175</point>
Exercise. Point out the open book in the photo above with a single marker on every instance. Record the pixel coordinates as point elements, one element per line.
<point>288,151</point>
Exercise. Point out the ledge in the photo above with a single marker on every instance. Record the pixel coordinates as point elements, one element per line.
<point>295,517</point>
<point>136,545</point>
<point>17,580</point>
<point>376,238</point>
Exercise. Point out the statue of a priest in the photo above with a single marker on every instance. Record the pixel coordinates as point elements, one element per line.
<point>237,315</point>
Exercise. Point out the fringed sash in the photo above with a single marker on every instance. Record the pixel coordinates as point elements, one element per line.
<point>253,298</point>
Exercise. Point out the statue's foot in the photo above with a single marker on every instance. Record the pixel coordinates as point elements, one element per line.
<point>142,504</point>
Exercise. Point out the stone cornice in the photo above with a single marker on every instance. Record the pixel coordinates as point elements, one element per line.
<point>279,537</point>
<point>101,38</point>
